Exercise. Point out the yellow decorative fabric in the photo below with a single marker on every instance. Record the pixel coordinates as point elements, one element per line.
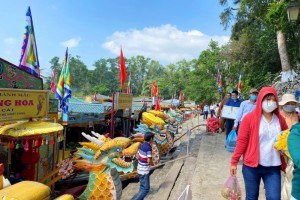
<point>281,142</point>
<point>65,197</point>
<point>26,190</point>
<point>23,129</point>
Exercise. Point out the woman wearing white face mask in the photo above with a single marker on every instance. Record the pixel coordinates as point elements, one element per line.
<point>288,105</point>
<point>257,135</point>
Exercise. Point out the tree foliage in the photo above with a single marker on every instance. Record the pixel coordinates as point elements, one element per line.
<point>252,51</point>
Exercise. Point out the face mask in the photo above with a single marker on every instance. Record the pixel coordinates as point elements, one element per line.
<point>233,98</point>
<point>289,108</point>
<point>253,97</point>
<point>269,106</point>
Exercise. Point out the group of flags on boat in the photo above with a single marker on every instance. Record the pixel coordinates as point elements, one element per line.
<point>29,62</point>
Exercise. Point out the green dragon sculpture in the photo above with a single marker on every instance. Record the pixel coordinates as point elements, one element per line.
<point>104,167</point>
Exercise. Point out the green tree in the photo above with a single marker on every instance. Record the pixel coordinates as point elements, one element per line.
<point>101,89</point>
<point>263,16</point>
<point>79,75</point>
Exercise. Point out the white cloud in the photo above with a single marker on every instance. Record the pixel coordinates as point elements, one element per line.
<point>165,43</point>
<point>10,41</point>
<point>73,42</point>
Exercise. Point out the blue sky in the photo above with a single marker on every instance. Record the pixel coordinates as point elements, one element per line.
<point>163,30</point>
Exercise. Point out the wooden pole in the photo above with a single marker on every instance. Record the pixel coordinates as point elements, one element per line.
<point>161,164</point>
<point>64,142</point>
<point>158,165</point>
<point>129,122</point>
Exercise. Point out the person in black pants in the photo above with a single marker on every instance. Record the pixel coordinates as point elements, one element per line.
<point>205,111</point>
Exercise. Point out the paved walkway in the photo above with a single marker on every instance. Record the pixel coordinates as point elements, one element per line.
<point>212,168</point>
<point>206,170</point>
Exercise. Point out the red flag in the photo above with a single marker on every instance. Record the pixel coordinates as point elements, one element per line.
<point>240,84</point>
<point>181,96</point>
<point>157,106</point>
<point>128,90</point>
<point>154,89</point>
<point>53,85</point>
<point>122,69</point>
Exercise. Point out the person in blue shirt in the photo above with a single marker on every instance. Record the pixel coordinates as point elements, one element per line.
<point>234,102</point>
<point>205,111</point>
<point>246,107</point>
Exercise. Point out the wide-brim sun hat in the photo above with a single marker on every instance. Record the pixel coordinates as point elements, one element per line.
<point>253,90</point>
<point>288,98</point>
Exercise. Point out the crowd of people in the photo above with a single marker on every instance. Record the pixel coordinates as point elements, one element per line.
<point>258,122</point>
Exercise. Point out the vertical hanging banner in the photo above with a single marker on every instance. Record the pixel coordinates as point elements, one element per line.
<point>29,56</point>
<point>23,104</point>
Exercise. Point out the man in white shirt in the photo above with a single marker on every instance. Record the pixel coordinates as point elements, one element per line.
<point>205,111</point>
<point>246,107</point>
<point>212,110</point>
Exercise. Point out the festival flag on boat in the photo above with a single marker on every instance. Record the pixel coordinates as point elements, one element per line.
<point>154,89</point>
<point>63,90</point>
<point>181,96</point>
<point>53,80</point>
<point>29,56</point>
<point>60,84</point>
<point>67,79</point>
<point>240,84</point>
<point>219,81</point>
<point>122,69</point>
<point>129,85</point>
<point>157,106</point>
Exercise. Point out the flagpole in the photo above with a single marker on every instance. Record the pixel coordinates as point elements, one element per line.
<point>129,122</point>
<point>64,142</point>
<point>112,116</point>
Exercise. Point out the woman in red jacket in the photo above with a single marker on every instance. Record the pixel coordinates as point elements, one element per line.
<point>255,142</point>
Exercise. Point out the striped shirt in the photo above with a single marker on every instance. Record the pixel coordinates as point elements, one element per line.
<point>145,152</point>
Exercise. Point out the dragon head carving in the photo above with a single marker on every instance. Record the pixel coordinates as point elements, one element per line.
<point>102,154</point>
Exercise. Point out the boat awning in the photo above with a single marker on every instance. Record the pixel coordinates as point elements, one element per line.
<point>86,108</point>
<point>23,129</point>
